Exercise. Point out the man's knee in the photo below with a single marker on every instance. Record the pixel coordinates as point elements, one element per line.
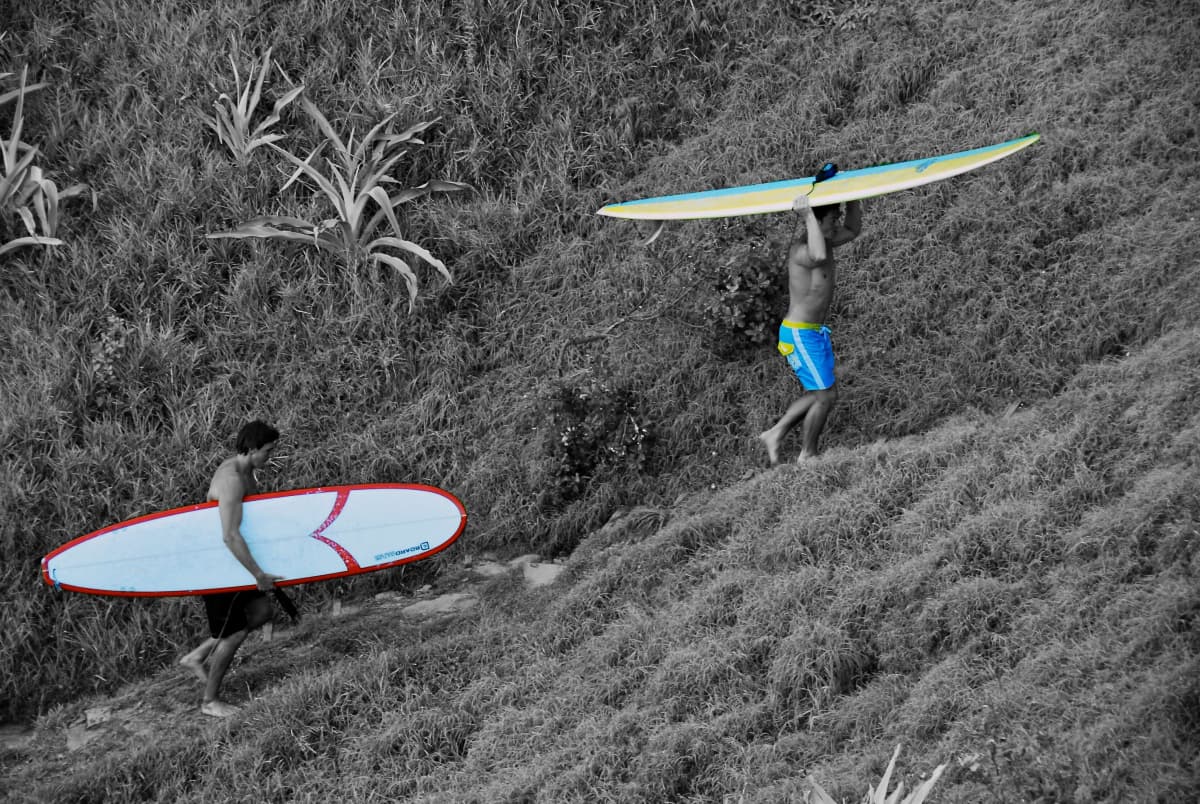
<point>228,644</point>
<point>258,613</point>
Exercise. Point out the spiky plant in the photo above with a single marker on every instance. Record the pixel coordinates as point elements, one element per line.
<point>25,190</point>
<point>879,794</point>
<point>355,183</point>
<point>232,122</point>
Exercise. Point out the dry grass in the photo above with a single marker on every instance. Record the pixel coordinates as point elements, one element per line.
<point>940,559</point>
<point>659,674</point>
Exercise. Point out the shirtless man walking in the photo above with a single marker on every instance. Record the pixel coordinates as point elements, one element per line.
<point>233,615</point>
<point>804,340</point>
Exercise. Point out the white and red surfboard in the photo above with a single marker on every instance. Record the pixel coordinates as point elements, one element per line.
<point>304,535</point>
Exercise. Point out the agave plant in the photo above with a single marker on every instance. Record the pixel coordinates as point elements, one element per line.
<point>879,794</point>
<point>231,122</point>
<point>25,190</point>
<point>355,184</point>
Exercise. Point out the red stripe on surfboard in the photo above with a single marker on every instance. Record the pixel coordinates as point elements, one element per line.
<point>338,504</point>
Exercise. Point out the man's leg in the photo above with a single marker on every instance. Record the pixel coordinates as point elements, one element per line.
<point>774,437</point>
<point>195,660</point>
<point>257,612</point>
<point>814,422</point>
<point>221,658</point>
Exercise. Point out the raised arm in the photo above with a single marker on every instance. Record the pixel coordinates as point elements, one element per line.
<point>851,224</point>
<point>815,242</point>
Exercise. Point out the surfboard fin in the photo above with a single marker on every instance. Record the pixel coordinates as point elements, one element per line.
<point>661,225</point>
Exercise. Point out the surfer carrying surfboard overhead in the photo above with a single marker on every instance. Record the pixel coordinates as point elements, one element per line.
<point>233,615</point>
<point>804,339</point>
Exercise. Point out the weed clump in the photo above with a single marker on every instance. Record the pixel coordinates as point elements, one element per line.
<point>232,122</point>
<point>107,354</point>
<point>26,192</point>
<point>356,181</point>
<point>814,665</point>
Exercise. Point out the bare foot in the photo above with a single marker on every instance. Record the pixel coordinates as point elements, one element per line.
<point>196,666</point>
<point>805,456</point>
<point>218,709</point>
<point>771,442</point>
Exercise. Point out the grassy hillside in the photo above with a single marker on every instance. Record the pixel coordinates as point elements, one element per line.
<point>568,372</point>
<point>1013,596</point>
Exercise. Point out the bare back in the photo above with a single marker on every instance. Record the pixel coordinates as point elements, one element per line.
<point>228,484</point>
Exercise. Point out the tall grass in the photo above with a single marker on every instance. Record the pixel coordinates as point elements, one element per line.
<point>659,675</point>
<point>968,296</point>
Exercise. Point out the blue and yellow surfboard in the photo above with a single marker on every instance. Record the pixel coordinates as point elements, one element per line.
<point>845,186</point>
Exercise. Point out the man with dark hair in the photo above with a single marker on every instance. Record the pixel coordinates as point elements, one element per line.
<point>233,615</point>
<point>804,340</point>
<point>254,435</point>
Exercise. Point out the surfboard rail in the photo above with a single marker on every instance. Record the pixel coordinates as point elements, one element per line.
<point>335,548</point>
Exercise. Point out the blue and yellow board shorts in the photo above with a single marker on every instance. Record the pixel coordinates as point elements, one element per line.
<point>809,351</point>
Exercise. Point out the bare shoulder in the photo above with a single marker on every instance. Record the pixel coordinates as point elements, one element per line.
<point>226,482</point>
<point>799,257</point>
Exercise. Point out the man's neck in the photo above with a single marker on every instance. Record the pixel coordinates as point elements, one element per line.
<point>245,469</point>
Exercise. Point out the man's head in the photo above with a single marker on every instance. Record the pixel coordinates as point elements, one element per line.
<point>826,211</point>
<point>827,217</point>
<point>257,439</point>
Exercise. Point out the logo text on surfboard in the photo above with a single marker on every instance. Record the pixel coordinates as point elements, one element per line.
<point>420,548</point>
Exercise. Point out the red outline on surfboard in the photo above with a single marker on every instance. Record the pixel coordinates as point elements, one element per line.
<point>342,492</point>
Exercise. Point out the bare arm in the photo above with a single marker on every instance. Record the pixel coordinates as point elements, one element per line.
<point>815,242</point>
<point>851,225</point>
<point>229,505</point>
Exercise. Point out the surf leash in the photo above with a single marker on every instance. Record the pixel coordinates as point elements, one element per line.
<point>827,171</point>
<point>286,603</point>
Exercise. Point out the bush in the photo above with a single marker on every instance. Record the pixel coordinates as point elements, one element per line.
<point>751,286</point>
<point>598,427</point>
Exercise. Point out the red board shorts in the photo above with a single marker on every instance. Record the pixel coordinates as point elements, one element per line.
<point>227,611</point>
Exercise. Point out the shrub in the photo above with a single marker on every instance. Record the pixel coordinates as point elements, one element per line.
<point>750,284</point>
<point>598,426</point>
